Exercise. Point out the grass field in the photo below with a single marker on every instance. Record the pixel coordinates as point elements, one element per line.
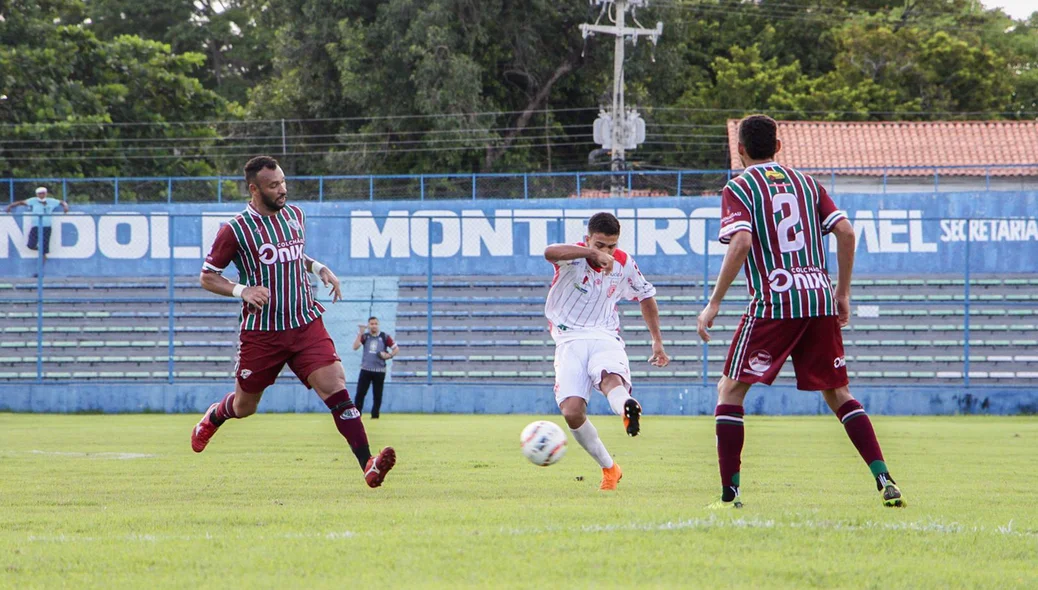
<point>275,501</point>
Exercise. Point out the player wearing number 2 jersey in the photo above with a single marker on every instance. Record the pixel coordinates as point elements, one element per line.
<point>280,319</point>
<point>773,218</point>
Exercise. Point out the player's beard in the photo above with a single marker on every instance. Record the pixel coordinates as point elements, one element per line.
<point>272,203</point>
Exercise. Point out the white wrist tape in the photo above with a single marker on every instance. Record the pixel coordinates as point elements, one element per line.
<point>316,267</point>
<point>238,290</point>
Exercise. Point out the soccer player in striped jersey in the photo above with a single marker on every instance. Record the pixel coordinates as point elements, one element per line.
<point>773,220</point>
<point>280,319</point>
<point>590,278</point>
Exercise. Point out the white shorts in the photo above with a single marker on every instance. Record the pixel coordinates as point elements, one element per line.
<point>579,365</point>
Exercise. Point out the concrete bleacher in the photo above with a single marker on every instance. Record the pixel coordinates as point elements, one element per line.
<point>493,329</point>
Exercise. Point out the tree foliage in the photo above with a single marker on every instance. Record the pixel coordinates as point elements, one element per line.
<point>407,86</point>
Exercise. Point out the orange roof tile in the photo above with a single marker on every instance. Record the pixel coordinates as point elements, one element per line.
<point>977,144</point>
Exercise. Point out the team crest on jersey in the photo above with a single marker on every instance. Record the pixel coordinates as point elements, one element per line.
<point>245,373</point>
<point>292,223</point>
<point>612,289</point>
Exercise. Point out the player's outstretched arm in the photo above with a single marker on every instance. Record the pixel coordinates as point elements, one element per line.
<point>651,315</point>
<point>845,239</point>
<point>738,249</point>
<point>257,296</point>
<point>16,204</point>
<point>560,252</point>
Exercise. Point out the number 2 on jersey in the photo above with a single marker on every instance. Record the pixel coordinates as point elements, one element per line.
<point>788,222</point>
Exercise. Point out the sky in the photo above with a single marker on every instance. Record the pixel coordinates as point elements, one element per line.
<point>1015,8</point>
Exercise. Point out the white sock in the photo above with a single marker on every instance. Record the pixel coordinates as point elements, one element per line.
<point>587,436</point>
<point>617,396</point>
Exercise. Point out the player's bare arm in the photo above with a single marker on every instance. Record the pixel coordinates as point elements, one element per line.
<point>844,233</point>
<point>257,296</point>
<point>361,328</point>
<point>16,204</point>
<point>738,249</point>
<point>651,315</point>
<point>561,252</point>
<point>327,277</point>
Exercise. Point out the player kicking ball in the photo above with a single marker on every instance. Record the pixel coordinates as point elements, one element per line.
<point>280,319</point>
<point>773,218</point>
<point>590,278</point>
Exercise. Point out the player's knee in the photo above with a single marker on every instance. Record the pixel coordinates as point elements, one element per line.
<point>244,405</point>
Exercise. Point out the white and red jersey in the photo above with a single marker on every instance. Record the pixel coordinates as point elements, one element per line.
<point>787,213</point>
<point>268,251</point>
<point>582,300</point>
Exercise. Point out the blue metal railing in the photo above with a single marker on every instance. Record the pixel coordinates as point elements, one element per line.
<point>533,185</point>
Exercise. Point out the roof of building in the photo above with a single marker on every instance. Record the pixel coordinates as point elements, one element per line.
<point>974,148</point>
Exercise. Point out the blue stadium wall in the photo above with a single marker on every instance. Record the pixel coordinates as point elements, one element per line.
<point>904,235</point>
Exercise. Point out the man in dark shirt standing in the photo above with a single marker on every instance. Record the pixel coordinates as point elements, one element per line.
<point>378,348</point>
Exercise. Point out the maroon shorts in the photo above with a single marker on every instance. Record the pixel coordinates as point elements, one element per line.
<point>761,346</point>
<point>262,354</point>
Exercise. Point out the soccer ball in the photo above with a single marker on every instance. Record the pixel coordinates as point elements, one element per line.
<point>543,443</point>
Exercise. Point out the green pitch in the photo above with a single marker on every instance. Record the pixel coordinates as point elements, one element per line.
<point>277,501</point>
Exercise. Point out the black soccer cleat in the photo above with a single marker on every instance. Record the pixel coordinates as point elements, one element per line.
<point>892,497</point>
<point>632,417</point>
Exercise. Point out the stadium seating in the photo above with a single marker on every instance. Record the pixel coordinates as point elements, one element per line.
<point>493,329</point>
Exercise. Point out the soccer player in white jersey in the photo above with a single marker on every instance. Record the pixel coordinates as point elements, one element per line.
<point>590,278</point>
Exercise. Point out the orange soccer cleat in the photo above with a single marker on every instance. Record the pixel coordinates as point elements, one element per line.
<point>610,477</point>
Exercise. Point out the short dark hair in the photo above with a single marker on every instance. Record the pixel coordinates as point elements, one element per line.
<point>759,135</point>
<point>373,318</point>
<point>253,166</point>
<point>603,223</point>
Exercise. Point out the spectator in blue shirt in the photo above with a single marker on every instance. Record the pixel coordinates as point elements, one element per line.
<point>40,209</point>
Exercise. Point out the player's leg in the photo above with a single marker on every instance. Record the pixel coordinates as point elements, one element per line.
<point>610,371</point>
<point>378,379</point>
<point>758,350</point>
<point>820,366</point>
<point>317,365</point>
<point>572,392</point>
<point>728,428</point>
<point>363,382</point>
<point>260,360</point>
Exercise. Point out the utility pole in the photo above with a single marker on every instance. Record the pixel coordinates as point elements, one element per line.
<point>625,129</point>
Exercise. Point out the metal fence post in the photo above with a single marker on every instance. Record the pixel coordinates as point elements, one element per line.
<point>219,189</point>
<point>116,190</point>
<point>172,296</point>
<point>40,244</point>
<point>680,177</point>
<point>473,188</point>
<point>371,188</point>
<point>706,293</point>
<point>10,189</point>
<point>526,186</point>
<point>64,189</point>
<point>578,184</point>
<point>966,312</point>
<point>421,188</point>
<point>429,309</point>
<point>169,189</point>
<point>320,189</point>
<point>936,180</point>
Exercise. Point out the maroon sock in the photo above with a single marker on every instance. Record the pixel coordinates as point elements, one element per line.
<point>347,420</point>
<point>859,428</point>
<point>729,429</point>
<point>224,410</point>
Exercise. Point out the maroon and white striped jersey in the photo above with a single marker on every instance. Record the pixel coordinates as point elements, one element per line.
<point>787,212</point>
<point>582,299</point>
<point>268,251</point>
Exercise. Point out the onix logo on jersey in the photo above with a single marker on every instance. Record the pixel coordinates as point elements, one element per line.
<point>839,362</point>
<point>781,280</point>
<point>285,252</point>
